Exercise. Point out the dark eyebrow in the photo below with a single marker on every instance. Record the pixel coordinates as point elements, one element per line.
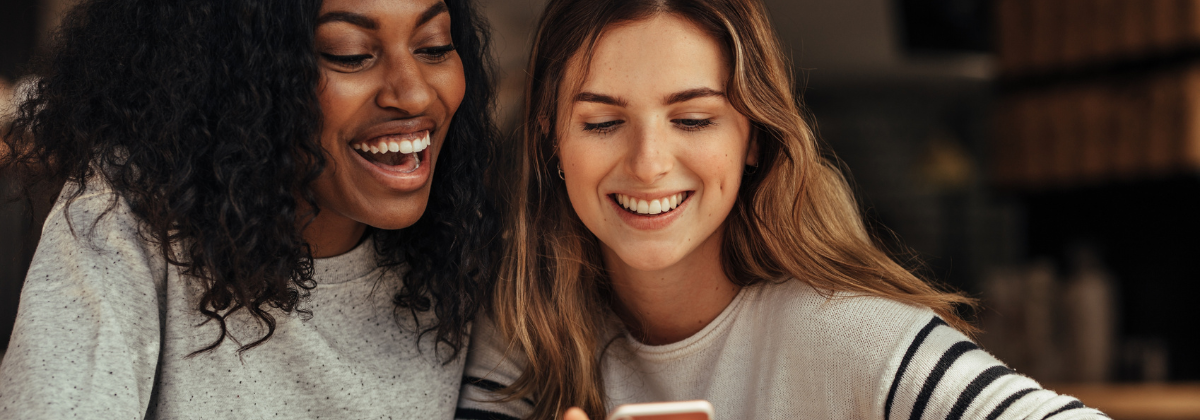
<point>690,94</point>
<point>601,99</point>
<point>368,23</point>
<point>351,18</point>
<point>432,12</point>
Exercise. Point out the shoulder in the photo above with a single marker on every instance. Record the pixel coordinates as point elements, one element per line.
<point>839,344</point>
<point>84,211</point>
<point>867,326</point>
<point>93,234</point>
<point>900,360</point>
<point>92,296</point>
<point>492,365</point>
<point>490,355</point>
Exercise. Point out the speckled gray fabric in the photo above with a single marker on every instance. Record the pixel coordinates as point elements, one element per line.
<point>105,328</point>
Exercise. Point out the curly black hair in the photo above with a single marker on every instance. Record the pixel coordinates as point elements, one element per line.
<point>204,117</point>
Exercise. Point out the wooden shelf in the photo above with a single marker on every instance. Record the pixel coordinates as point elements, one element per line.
<point>1168,401</point>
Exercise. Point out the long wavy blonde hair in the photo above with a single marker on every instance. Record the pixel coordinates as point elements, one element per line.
<point>795,217</point>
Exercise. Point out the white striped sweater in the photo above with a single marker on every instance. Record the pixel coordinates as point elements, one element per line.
<point>783,350</point>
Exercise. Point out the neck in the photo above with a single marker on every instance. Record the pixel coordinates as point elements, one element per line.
<point>670,304</point>
<point>331,234</point>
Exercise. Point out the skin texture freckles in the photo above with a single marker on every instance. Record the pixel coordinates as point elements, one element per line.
<point>386,70</point>
<point>651,120</point>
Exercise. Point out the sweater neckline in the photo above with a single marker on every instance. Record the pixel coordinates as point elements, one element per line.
<point>696,341</point>
<point>354,264</point>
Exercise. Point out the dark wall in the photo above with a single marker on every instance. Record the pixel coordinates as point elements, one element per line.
<point>1146,232</point>
<point>18,36</point>
<point>18,39</point>
<point>946,25</point>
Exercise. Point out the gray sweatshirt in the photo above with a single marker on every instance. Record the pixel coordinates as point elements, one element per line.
<point>105,328</point>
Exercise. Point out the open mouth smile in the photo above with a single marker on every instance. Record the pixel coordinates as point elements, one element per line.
<point>653,207</point>
<point>397,153</point>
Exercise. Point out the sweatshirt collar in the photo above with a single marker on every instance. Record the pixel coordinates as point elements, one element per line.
<point>354,264</point>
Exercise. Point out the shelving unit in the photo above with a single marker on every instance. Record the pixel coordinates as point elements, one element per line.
<point>1097,91</point>
<point>1098,134</point>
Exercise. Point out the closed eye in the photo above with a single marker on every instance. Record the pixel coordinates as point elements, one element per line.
<point>602,127</point>
<point>348,61</point>
<point>437,54</point>
<point>690,124</point>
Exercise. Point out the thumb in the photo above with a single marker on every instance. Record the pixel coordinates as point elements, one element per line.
<point>574,413</point>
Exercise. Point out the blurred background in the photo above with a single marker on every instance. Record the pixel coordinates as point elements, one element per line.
<point>1041,155</point>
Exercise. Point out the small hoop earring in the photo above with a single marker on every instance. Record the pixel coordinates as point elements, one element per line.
<point>560,173</point>
<point>751,169</point>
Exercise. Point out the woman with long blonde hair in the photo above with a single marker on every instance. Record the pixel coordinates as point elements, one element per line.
<point>679,234</point>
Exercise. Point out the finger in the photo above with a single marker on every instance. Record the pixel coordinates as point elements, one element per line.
<point>574,413</point>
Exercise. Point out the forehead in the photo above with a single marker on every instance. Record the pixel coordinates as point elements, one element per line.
<point>407,10</point>
<point>653,57</point>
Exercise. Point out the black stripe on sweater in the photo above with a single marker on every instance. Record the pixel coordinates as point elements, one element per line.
<point>973,390</point>
<point>948,358</point>
<point>1007,402</point>
<point>1070,406</point>
<point>908,355</point>
<point>489,386</point>
<point>473,414</point>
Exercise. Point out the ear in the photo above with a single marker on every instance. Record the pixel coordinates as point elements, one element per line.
<point>752,151</point>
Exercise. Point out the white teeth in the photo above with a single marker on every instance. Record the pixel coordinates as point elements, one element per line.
<point>657,206</point>
<point>421,144</point>
<point>403,146</point>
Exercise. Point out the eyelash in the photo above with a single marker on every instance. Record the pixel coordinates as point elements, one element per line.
<point>686,124</point>
<point>356,60</point>
<point>351,61</point>
<point>602,128</point>
<point>695,124</point>
<point>437,53</point>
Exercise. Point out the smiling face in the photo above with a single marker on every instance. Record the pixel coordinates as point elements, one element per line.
<point>390,83</point>
<point>652,150</point>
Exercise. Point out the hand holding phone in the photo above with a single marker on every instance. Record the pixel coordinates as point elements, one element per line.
<point>675,410</point>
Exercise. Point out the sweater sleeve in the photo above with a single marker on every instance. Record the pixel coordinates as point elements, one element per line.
<point>942,374</point>
<point>86,339</point>
<point>488,370</point>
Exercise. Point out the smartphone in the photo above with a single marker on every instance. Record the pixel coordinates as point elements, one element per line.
<point>675,410</point>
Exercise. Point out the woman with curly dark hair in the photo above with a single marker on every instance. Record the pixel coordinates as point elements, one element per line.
<point>272,209</point>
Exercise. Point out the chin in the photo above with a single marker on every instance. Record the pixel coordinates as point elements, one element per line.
<point>397,216</point>
<point>394,225</point>
<point>649,259</point>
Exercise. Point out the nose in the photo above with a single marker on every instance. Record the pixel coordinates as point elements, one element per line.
<point>404,87</point>
<point>650,157</point>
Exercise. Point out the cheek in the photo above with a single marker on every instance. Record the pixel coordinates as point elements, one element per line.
<point>450,83</point>
<point>340,97</point>
<point>721,164</point>
<point>585,164</point>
